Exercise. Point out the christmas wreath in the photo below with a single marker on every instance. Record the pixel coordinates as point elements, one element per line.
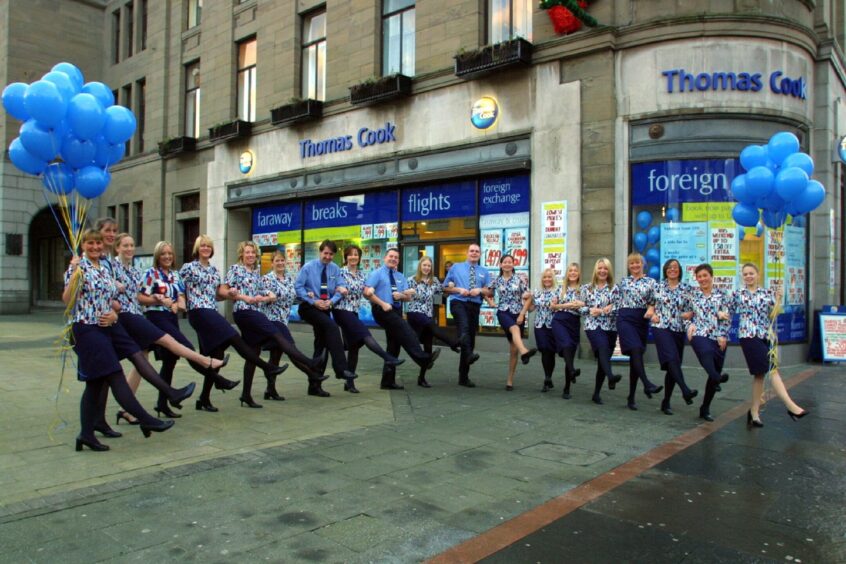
<point>568,16</point>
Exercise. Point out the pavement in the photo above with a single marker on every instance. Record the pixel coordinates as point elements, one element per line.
<point>447,473</point>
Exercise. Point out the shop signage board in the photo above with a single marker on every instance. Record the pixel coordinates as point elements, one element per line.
<point>679,81</point>
<point>439,201</point>
<point>833,337</point>
<point>655,183</point>
<point>554,229</point>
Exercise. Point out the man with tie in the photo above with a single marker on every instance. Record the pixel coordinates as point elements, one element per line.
<point>387,289</point>
<point>316,286</point>
<point>467,283</point>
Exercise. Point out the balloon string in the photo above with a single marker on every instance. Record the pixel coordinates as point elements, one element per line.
<point>59,221</point>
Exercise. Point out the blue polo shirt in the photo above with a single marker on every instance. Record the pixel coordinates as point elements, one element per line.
<point>380,281</point>
<point>459,275</point>
<point>308,280</point>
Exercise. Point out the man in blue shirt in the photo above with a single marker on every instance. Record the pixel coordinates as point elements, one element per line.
<point>386,288</point>
<point>466,283</point>
<point>316,286</point>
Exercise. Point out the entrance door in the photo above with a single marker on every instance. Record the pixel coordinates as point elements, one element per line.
<point>49,259</point>
<point>443,255</point>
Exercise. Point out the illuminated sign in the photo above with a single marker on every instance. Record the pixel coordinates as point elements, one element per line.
<point>484,113</point>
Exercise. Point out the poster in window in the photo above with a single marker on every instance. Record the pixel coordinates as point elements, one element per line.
<point>491,247</point>
<point>517,245</point>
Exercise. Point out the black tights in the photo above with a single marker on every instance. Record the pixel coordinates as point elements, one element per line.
<point>90,411</point>
<point>146,370</point>
<point>548,362</point>
<point>637,372</point>
<point>673,377</point>
<point>603,368</point>
<point>569,354</point>
<point>169,361</point>
<point>372,345</point>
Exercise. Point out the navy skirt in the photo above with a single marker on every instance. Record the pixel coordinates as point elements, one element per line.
<point>255,327</point>
<point>600,339</point>
<point>633,328</point>
<point>212,328</point>
<point>565,328</point>
<point>545,339</point>
<point>100,349</point>
<point>418,321</point>
<point>142,331</point>
<point>353,329</point>
<point>507,320</point>
<point>286,334</point>
<point>757,354</point>
<point>669,345</point>
<point>168,322</point>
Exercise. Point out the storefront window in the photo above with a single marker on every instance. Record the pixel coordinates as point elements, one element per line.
<point>681,209</point>
<point>279,228</point>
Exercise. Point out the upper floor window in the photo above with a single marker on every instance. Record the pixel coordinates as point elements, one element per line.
<point>140,113</point>
<point>247,80</point>
<point>116,36</point>
<point>130,24</point>
<point>398,37</point>
<point>509,19</point>
<point>143,8</point>
<point>195,13</point>
<point>314,56</point>
<point>192,100</point>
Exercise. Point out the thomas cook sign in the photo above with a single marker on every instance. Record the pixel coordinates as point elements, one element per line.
<point>364,137</point>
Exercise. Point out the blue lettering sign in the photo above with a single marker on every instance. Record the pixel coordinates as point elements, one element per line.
<point>439,201</point>
<point>284,217</point>
<point>662,182</point>
<point>366,137</point>
<point>359,209</point>
<point>679,80</point>
<point>506,194</point>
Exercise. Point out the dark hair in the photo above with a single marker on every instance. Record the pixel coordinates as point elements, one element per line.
<point>104,221</point>
<point>392,250</point>
<point>667,266</point>
<point>502,258</point>
<point>350,249</point>
<point>329,244</point>
<point>704,266</point>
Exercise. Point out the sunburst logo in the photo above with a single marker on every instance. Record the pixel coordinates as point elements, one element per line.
<point>246,162</point>
<point>484,113</point>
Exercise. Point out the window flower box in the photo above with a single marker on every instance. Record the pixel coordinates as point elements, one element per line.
<point>381,89</point>
<point>296,111</point>
<point>492,58</point>
<point>177,146</point>
<point>231,130</point>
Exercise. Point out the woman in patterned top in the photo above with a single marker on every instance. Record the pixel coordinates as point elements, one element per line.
<point>420,312</point>
<point>755,305</point>
<point>543,301</point>
<point>565,324</point>
<point>599,310</point>
<point>668,331</point>
<point>708,332</point>
<point>511,312</point>
<point>100,343</point>
<point>345,314</point>
<point>203,290</point>
<point>633,314</point>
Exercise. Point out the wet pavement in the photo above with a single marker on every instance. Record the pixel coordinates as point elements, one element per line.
<point>419,474</point>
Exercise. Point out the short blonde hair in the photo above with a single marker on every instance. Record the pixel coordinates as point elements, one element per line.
<point>550,272</point>
<point>607,263</point>
<point>242,246</point>
<point>635,256</point>
<point>118,239</point>
<point>159,249</point>
<point>91,235</point>
<point>202,240</point>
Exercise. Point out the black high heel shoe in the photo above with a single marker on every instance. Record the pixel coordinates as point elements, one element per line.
<point>249,401</point>
<point>274,371</point>
<point>181,395</point>
<point>349,386</point>
<point>705,414</point>
<point>107,431</point>
<point>750,422</point>
<point>206,405</point>
<point>164,410</point>
<point>653,389</point>
<point>93,444</point>
<point>271,394</point>
<point>423,383</point>
<point>125,416</point>
<point>797,416</point>
<point>612,381</point>
<point>689,398</point>
<point>223,364</point>
<point>547,385</point>
<point>527,356</point>
<point>224,384</point>
<point>665,408</point>
<point>159,427</point>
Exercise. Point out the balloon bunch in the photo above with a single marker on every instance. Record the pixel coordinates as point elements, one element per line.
<point>648,240</point>
<point>72,133</point>
<point>777,183</point>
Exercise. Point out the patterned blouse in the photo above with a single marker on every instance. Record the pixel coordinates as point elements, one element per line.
<point>754,309</point>
<point>638,294</point>
<point>168,284</point>
<point>96,291</point>
<point>670,303</point>
<point>423,299</point>
<point>248,282</point>
<point>285,293</point>
<point>705,310</point>
<point>567,294</point>
<point>543,307</point>
<point>201,284</point>
<point>354,282</point>
<point>510,292</point>
<point>600,297</point>
<point>130,277</point>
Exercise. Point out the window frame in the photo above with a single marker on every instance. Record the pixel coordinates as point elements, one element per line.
<point>247,95</point>
<point>512,32</point>
<point>305,47</point>
<point>195,91</point>
<point>400,14</point>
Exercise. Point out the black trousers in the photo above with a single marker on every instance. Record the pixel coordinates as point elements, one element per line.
<point>399,334</point>
<point>327,335</point>
<point>466,315</point>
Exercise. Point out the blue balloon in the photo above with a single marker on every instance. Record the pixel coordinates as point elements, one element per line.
<point>58,178</point>
<point>653,256</point>
<point>673,214</point>
<point>773,202</point>
<point>741,233</point>
<point>45,103</point>
<point>655,272</point>
<point>781,145</point>
<point>644,219</point>
<point>640,241</point>
<point>100,91</point>
<point>753,155</point>
<point>92,181</point>
<point>790,182</point>
<point>120,124</point>
<point>40,142</point>
<point>745,215</point>
<point>810,199</point>
<point>108,154</point>
<point>801,160</point>
<point>759,182</point>
<point>653,235</point>
<point>73,72</point>
<point>773,219</point>
<point>64,83</point>
<point>759,229</point>
<point>78,153</point>
<point>23,159</point>
<point>85,116</point>
<point>13,100</point>
<point>739,190</point>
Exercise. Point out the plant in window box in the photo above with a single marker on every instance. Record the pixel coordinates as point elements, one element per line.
<point>490,58</point>
<point>230,130</point>
<point>296,110</point>
<point>177,145</point>
<point>375,90</point>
